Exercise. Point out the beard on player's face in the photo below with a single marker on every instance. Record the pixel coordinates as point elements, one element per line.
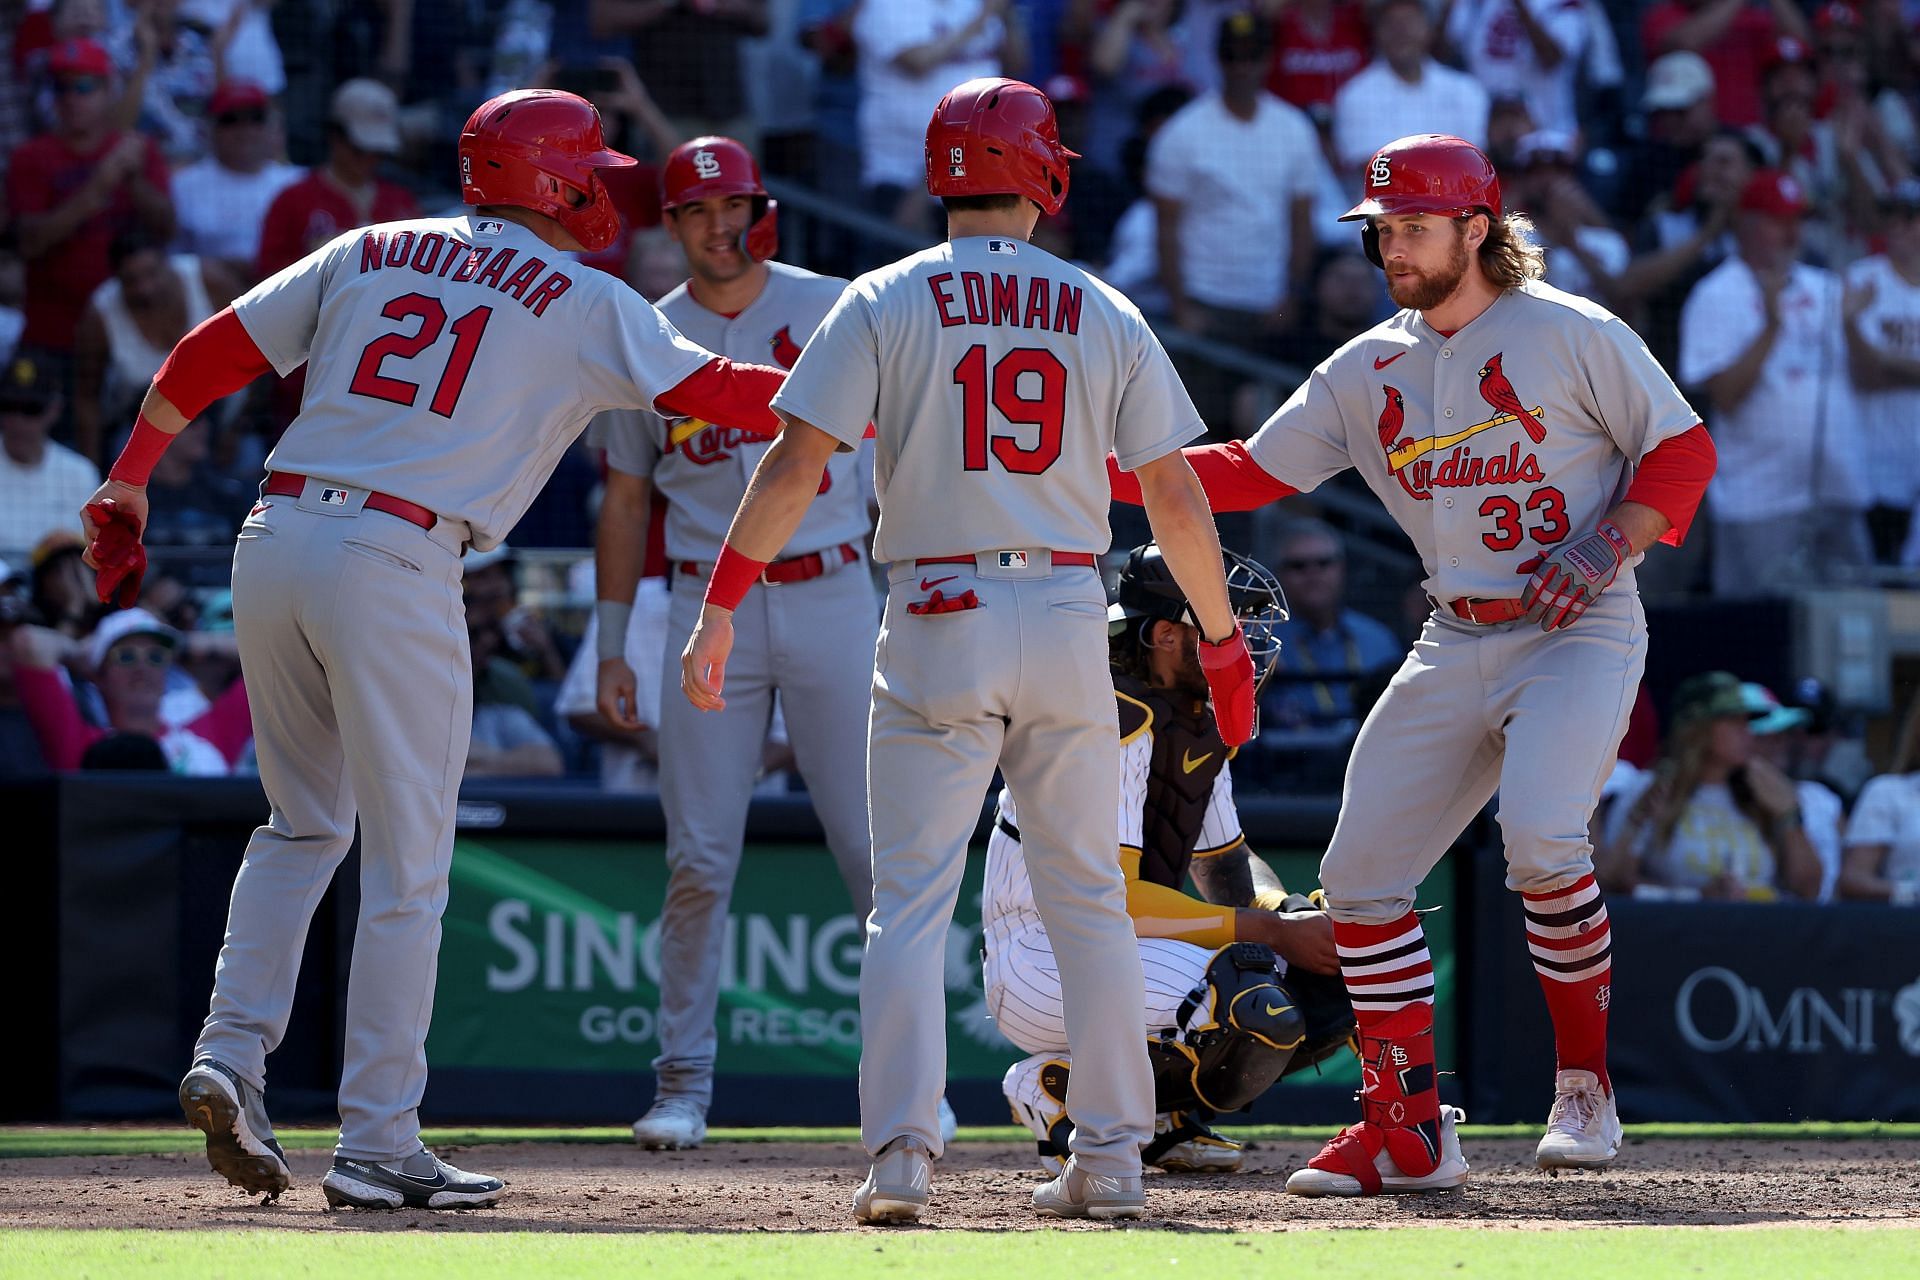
<point>1180,649</point>
<point>1422,289</point>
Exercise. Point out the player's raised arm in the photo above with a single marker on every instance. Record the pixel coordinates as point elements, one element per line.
<point>1232,480</point>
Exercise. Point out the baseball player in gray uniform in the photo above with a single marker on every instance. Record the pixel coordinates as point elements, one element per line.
<point>450,362</point>
<point>994,374</point>
<point>1532,449</point>
<point>809,636</point>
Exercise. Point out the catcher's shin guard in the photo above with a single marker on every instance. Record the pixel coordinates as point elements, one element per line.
<point>1236,1035</point>
<point>1036,1093</point>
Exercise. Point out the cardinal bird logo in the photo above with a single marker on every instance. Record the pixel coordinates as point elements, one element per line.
<point>785,349</point>
<point>1393,419</point>
<point>1498,392</point>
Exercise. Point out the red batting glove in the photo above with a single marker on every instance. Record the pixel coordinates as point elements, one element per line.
<point>117,551</point>
<point>1229,670</point>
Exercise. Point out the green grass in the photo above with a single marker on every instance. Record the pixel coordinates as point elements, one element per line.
<point>1648,1254</point>
<point>20,1141</point>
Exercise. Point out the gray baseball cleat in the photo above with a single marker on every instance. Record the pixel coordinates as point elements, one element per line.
<point>1102,1196</point>
<point>233,1115</point>
<point>671,1124</point>
<point>897,1186</point>
<point>421,1181</point>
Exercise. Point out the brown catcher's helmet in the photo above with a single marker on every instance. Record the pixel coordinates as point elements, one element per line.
<point>711,167</point>
<point>542,149</point>
<point>994,136</point>
<point>1425,173</point>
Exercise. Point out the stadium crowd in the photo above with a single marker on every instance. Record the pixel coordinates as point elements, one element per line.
<point>1736,178</point>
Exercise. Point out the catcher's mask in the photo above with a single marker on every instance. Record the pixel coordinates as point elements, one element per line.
<point>1147,591</point>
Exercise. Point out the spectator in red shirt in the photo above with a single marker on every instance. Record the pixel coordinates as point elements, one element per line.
<point>1734,36</point>
<point>1318,45</point>
<point>347,191</point>
<point>74,189</point>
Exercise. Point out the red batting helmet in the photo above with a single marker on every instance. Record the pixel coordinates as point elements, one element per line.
<point>713,166</point>
<point>542,149</point>
<point>1426,173</point>
<point>994,136</point>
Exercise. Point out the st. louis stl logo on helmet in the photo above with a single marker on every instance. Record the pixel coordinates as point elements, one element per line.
<point>706,164</point>
<point>1381,174</point>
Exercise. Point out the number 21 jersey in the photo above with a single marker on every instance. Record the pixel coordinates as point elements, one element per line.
<point>451,361</point>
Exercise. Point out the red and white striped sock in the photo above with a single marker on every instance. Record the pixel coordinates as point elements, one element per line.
<point>1386,966</point>
<point>1572,947</point>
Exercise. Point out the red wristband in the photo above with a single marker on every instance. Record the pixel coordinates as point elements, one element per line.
<point>144,447</point>
<point>733,576</point>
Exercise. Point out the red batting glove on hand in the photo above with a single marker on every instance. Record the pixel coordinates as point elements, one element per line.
<point>1229,671</point>
<point>117,551</point>
<point>1565,583</point>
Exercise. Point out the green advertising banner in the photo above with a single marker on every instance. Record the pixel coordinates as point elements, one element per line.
<point>550,961</point>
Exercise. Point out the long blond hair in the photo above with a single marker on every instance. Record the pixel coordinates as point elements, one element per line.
<point>1510,255</point>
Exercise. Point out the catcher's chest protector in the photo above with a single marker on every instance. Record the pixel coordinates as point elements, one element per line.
<point>1188,754</point>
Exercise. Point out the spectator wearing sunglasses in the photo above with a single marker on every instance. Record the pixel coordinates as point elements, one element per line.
<point>1325,646</point>
<point>130,654</point>
<point>222,200</point>
<point>73,189</point>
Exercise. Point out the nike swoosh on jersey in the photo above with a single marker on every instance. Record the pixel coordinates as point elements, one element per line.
<point>1188,763</point>
<point>1379,364</point>
<point>928,584</point>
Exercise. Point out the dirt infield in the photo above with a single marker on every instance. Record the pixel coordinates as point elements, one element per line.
<point>808,1187</point>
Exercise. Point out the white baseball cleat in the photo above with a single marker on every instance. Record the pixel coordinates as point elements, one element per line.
<point>1583,1129</point>
<point>1102,1196</point>
<point>898,1185</point>
<point>1449,1173</point>
<point>671,1124</point>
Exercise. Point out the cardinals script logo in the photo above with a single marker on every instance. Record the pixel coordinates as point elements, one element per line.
<point>1407,456</point>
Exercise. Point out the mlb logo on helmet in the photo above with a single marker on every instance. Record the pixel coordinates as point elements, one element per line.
<point>706,164</point>
<point>956,162</point>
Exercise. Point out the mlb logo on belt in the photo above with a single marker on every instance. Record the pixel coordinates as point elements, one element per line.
<point>337,497</point>
<point>1013,559</point>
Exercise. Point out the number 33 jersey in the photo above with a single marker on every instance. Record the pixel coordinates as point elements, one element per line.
<point>998,378</point>
<point>1490,445</point>
<point>451,361</point>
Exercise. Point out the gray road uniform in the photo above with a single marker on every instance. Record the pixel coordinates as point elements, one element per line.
<point>998,377</point>
<point>1488,447</point>
<point>450,362</point>
<point>810,638</point>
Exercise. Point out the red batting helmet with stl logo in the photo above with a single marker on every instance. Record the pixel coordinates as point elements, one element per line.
<point>1425,173</point>
<point>716,167</point>
<point>994,136</point>
<point>542,149</point>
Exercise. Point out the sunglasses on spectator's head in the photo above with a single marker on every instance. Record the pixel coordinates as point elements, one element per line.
<point>132,655</point>
<point>1315,562</point>
<point>77,84</point>
<point>247,115</point>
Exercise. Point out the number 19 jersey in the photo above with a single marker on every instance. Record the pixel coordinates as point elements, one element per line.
<point>451,361</point>
<point>998,378</point>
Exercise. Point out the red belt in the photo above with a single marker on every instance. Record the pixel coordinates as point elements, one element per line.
<point>798,569</point>
<point>286,484</point>
<point>1076,559</point>
<point>1487,612</point>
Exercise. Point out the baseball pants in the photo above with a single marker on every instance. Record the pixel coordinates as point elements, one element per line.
<point>1020,682</point>
<point>353,639</point>
<point>1536,715</point>
<point>812,641</point>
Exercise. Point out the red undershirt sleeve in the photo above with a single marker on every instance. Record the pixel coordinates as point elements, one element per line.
<point>729,393</point>
<point>217,358</point>
<point>1232,479</point>
<point>1673,477</point>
